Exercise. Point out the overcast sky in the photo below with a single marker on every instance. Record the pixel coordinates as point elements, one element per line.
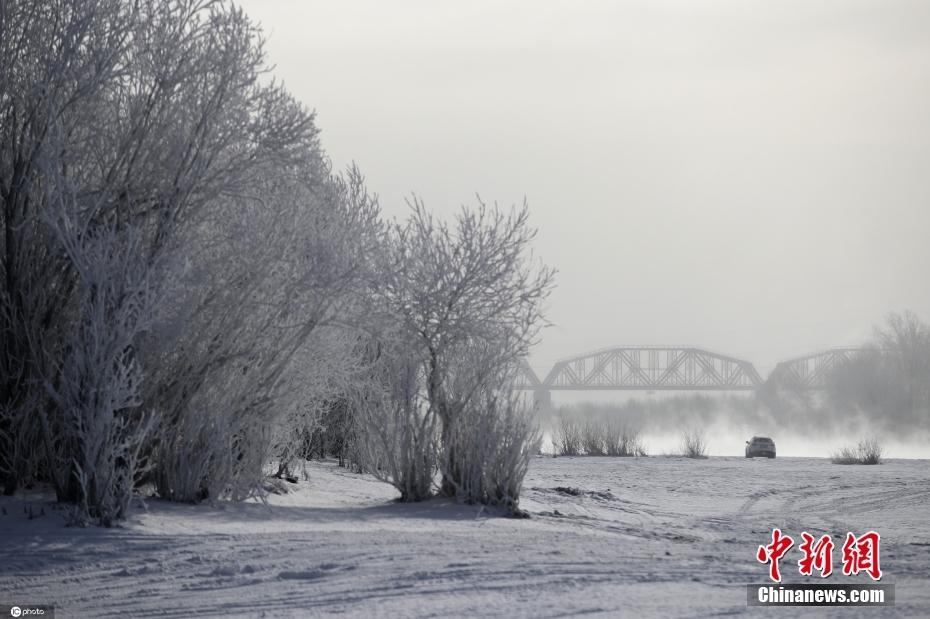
<point>750,177</point>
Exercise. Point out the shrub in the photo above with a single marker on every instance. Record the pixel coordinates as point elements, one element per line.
<point>96,428</point>
<point>693,444</point>
<point>398,432</point>
<point>596,438</point>
<point>489,448</point>
<point>868,451</point>
<point>567,437</point>
<point>621,440</point>
<point>593,438</point>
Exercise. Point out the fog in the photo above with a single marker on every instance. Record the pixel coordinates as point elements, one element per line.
<point>727,421</point>
<point>749,178</point>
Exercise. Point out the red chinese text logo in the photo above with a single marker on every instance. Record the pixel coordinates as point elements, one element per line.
<point>860,554</point>
<point>817,555</point>
<point>773,552</point>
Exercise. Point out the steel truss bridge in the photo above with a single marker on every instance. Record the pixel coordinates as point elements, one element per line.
<point>675,368</point>
<point>812,371</point>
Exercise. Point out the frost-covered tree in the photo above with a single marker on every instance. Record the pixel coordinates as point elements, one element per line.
<point>96,436</point>
<point>204,230</point>
<point>888,382</point>
<point>229,354</point>
<point>185,284</point>
<point>471,299</point>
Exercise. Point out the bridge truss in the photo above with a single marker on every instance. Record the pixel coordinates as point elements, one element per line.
<point>812,371</point>
<point>525,378</point>
<point>675,368</point>
<point>653,368</point>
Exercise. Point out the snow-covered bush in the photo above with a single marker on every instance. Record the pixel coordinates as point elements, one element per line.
<point>693,443</point>
<point>567,437</point>
<point>97,427</point>
<point>399,440</point>
<point>489,445</point>
<point>593,439</point>
<point>867,451</point>
<point>621,439</point>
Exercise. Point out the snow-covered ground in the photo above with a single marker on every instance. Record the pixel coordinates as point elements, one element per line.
<point>646,537</point>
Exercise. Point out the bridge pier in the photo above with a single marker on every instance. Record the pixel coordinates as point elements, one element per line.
<point>542,399</point>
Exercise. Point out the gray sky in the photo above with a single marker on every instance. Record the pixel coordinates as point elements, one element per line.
<point>751,177</point>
